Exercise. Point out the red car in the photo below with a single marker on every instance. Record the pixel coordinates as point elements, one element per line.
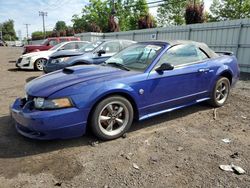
<point>47,44</point>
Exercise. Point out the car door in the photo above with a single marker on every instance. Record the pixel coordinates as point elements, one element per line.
<point>110,48</point>
<point>186,83</point>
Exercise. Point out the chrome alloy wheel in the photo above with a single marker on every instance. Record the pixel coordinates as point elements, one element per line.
<point>39,64</point>
<point>113,118</point>
<point>221,93</point>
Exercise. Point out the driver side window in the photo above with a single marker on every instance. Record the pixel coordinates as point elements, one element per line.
<point>182,54</point>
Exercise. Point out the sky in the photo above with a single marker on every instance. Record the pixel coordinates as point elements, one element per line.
<point>27,12</point>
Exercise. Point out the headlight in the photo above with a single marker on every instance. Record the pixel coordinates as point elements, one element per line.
<point>28,58</point>
<point>59,60</point>
<point>41,103</point>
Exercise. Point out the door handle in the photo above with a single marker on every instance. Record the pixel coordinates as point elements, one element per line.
<point>203,70</point>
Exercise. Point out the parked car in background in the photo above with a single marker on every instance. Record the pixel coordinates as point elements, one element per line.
<point>141,81</point>
<point>36,60</point>
<point>47,44</point>
<point>93,53</point>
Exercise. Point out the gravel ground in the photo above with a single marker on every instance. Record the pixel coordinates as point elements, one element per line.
<point>183,148</point>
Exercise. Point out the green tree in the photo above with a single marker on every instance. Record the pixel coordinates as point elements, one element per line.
<point>60,26</point>
<point>95,16</point>
<point>171,12</point>
<point>139,13</point>
<point>70,31</point>
<point>8,31</point>
<point>37,35</point>
<point>229,10</point>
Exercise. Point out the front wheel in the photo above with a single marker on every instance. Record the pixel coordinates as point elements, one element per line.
<point>112,117</point>
<point>220,92</point>
<point>39,64</point>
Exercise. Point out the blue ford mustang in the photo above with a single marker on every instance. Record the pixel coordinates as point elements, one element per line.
<point>141,81</point>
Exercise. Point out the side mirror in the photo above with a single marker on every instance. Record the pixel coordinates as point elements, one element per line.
<point>164,67</point>
<point>100,52</point>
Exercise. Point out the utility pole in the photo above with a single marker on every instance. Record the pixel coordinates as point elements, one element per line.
<point>113,11</point>
<point>43,14</point>
<point>240,9</point>
<point>27,30</point>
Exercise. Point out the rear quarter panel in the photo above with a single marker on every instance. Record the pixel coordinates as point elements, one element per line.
<point>222,65</point>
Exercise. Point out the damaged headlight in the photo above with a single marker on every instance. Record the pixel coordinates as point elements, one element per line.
<point>28,59</point>
<point>59,60</point>
<point>43,104</point>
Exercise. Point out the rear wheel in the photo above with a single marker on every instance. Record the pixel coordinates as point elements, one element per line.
<point>39,64</point>
<point>112,117</point>
<point>220,92</point>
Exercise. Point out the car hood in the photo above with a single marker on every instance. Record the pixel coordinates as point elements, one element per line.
<point>40,53</point>
<point>65,53</point>
<point>46,85</point>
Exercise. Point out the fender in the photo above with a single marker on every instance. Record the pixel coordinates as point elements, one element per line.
<point>90,96</point>
<point>116,89</point>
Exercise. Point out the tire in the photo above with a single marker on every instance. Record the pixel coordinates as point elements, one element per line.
<point>39,64</point>
<point>111,118</point>
<point>220,92</point>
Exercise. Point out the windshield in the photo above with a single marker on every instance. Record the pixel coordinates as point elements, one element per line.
<point>90,47</point>
<point>55,47</point>
<point>136,57</point>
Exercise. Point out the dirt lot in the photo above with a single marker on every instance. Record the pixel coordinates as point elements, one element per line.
<point>179,149</point>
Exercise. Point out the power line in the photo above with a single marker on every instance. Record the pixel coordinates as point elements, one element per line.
<point>160,3</point>
<point>43,14</point>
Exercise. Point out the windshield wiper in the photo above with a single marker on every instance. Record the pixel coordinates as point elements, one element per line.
<point>118,65</point>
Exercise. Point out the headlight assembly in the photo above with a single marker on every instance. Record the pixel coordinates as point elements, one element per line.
<point>50,104</point>
<point>59,60</point>
<point>28,59</point>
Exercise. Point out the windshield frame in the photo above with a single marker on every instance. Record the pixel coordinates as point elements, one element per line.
<point>57,46</point>
<point>152,62</point>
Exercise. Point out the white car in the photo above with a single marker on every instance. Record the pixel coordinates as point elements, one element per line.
<point>36,60</point>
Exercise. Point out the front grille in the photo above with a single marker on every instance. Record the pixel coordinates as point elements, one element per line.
<point>30,98</point>
<point>19,60</point>
<point>27,102</point>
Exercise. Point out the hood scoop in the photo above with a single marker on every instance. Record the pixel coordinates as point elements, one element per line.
<point>68,71</point>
